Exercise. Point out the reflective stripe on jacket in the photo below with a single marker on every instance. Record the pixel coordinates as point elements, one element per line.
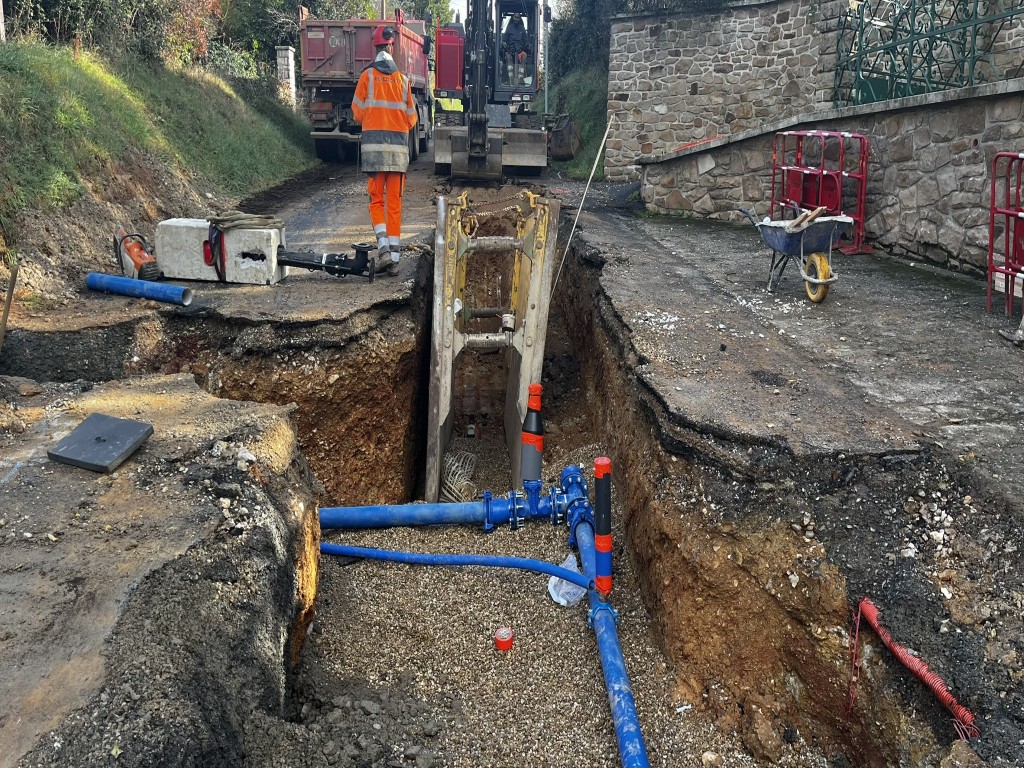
<point>384,106</point>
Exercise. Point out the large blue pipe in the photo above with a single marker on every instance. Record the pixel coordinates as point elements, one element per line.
<point>140,289</point>
<point>416,558</point>
<point>388,515</point>
<point>488,511</point>
<point>632,749</point>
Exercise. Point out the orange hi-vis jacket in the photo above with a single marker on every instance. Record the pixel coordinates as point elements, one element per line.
<point>384,106</point>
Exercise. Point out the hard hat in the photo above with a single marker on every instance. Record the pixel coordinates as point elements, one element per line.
<point>384,35</point>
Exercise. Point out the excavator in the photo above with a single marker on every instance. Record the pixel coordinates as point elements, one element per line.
<point>491,66</point>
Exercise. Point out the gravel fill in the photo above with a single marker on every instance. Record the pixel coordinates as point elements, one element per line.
<point>427,633</point>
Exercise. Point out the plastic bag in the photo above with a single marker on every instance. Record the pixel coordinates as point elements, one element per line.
<point>565,592</point>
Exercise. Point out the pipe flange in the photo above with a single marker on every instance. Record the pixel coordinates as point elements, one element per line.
<point>601,606</point>
<point>515,506</point>
<point>557,515</point>
<point>573,475</point>
<point>579,511</point>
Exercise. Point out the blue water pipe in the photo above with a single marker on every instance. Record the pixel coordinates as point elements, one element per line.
<point>140,289</point>
<point>492,561</point>
<point>567,502</point>
<point>604,619</point>
<point>489,511</point>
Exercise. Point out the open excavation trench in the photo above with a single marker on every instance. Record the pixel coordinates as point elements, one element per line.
<point>736,565</point>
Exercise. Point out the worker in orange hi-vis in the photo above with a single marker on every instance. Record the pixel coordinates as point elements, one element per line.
<point>383,105</point>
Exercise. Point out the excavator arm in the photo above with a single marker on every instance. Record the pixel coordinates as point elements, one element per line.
<point>478,67</point>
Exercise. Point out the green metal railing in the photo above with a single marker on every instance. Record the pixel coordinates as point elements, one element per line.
<point>888,49</point>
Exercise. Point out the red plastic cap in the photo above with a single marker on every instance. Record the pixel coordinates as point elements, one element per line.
<point>533,401</point>
<point>503,638</point>
<point>602,467</point>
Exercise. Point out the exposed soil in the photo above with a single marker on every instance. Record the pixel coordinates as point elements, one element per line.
<point>775,461</point>
<point>752,546</point>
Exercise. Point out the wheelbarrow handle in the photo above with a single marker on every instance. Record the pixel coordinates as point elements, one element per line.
<point>749,215</point>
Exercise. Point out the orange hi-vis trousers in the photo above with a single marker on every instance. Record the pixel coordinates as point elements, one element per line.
<point>386,189</point>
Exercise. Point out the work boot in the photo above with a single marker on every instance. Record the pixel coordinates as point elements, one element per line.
<point>393,266</point>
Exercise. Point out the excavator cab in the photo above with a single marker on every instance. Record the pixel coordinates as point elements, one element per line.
<point>497,132</point>
<point>516,65</point>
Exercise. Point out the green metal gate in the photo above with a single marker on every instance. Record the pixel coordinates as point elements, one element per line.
<point>888,49</point>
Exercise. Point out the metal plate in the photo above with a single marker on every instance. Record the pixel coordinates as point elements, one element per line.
<point>101,443</point>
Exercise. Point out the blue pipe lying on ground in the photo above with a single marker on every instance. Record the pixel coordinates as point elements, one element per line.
<point>140,289</point>
<point>416,558</point>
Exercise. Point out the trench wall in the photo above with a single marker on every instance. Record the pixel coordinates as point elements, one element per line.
<point>696,100</point>
<point>759,659</point>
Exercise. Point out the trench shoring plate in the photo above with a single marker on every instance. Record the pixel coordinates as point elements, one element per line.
<point>534,246</point>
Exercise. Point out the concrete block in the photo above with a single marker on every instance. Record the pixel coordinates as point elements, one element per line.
<point>250,254</point>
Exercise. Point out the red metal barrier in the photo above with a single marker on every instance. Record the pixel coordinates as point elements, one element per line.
<point>822,168</point>
<point>1006,211</point>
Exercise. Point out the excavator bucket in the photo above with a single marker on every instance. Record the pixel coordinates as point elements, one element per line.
<point>510,151</point>
<point>491,297</point>
<point>564,140</point>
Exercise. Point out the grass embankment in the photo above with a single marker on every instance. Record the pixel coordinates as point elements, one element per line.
<point>585,94</point>
<point>63,121</point>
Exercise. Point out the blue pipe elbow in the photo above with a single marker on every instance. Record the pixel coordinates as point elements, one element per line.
<point>140,289</point>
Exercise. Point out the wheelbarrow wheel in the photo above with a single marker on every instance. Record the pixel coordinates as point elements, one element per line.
<point>817,267</point>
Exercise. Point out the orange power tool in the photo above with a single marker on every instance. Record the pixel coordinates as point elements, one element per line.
<point>134,256</point>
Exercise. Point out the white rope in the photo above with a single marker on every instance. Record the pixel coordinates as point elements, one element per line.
<point>579,210</point>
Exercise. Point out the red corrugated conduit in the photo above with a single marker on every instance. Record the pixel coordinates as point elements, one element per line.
<point>963,720</point>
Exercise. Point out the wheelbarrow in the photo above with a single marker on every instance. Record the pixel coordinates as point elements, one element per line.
<point>811,237</point>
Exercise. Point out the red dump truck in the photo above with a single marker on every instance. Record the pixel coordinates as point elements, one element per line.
<point>334,54</point>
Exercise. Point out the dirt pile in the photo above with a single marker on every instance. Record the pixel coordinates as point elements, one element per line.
<point>58,247</point>
<point>161,605</point>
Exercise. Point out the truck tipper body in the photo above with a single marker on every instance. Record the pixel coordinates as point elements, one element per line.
<point>334,55</point>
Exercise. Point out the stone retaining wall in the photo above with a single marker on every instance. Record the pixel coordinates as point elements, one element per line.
<point>678,79</point>
<point>928,179</point>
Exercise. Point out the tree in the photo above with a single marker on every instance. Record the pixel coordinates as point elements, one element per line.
<point>441,11</point>
<point>3,33</point>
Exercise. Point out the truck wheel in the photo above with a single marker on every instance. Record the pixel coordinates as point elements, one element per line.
<point>424,143</point>
<point>414,146</point>
<point>326,150</point>
<point>349,152</point>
